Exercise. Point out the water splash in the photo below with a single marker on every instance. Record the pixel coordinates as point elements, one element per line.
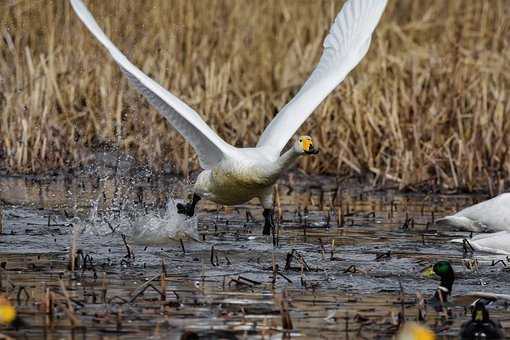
<point>142,227</point>
<point>155,229</point>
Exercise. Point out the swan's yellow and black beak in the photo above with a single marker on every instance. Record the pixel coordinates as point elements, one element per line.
<point>308,147</point>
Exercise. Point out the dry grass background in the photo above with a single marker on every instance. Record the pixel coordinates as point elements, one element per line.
<point>429,103</point>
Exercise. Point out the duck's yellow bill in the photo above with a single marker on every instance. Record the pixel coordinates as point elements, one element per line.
<point>479,315</point>
<point>7,314</point>
<point>415,331</point>
<point>429,273</point>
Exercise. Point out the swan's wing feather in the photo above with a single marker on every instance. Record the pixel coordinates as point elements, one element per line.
<point>494,214</point>
<point>495,243</point>
<point>209,147</point>
<point>344,47</point>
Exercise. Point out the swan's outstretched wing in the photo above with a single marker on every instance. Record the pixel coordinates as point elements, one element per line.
<point>208,145</point>
<point>344,47</point>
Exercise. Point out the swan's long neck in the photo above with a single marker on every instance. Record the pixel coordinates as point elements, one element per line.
<point>287,159</point>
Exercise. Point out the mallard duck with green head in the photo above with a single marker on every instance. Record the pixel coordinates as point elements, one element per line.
<point>481,326</point>
<point>444,271</point>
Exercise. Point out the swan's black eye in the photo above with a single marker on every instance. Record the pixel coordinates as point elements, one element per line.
<point>301,140</point>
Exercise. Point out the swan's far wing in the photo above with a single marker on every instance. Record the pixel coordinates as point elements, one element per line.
<point>344,47</point>
<point>209,147</point>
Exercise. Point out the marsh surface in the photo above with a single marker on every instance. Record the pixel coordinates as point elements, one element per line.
<point>347,263</point>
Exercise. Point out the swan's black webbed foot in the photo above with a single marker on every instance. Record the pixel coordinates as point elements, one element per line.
<point>188,209</point>
<point>268,222</point>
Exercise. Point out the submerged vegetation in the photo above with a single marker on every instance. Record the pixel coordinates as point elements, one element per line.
<point>427,106</point>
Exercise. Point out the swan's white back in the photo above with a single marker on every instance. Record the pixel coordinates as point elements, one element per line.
<point>493,214</point>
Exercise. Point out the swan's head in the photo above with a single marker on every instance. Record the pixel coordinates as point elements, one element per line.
<point>304,146</point>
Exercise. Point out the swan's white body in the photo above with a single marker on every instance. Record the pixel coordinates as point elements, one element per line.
<point>235,175</point>
<point>491,215</point>
<point>495,243</point>
<point>237,180</point>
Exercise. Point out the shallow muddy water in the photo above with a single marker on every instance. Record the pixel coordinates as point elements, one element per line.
<point>347,263</point>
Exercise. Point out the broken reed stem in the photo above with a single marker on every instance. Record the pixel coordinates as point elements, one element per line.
<point>182,247</point>
<point>284,312</point>
<point>422,310</point>
<point>322,248</point>
<point>104,286</point>
<point>66,295</point>
<point>212,256</point>
<point>273,281</point>
<point>68,308</point>
<point>278,203</point>
<point>302,272</point>
<point>129,251</point>
<point>340,216</point>
<point>163,267</point>
<point>119,320</point>
<point>347,324</point>
<point>1,220</point>
<point>72,250</point>
<point>402,303</point>
<point>49,307</point>
<point>162,285</point>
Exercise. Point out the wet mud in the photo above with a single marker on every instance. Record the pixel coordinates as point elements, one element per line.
<point>91,258</point>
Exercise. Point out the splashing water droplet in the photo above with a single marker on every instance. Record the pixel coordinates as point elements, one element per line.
<point>172,226</point>
<point>138,226</point>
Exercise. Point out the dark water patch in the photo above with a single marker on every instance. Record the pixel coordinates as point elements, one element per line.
<point>348,262</point>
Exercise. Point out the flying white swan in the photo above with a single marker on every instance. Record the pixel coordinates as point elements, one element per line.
<point>490,215</point>
<point>235,175</point>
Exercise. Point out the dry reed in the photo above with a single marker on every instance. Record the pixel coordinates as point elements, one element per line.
<point>428,103</point>
<point>1,220</point>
